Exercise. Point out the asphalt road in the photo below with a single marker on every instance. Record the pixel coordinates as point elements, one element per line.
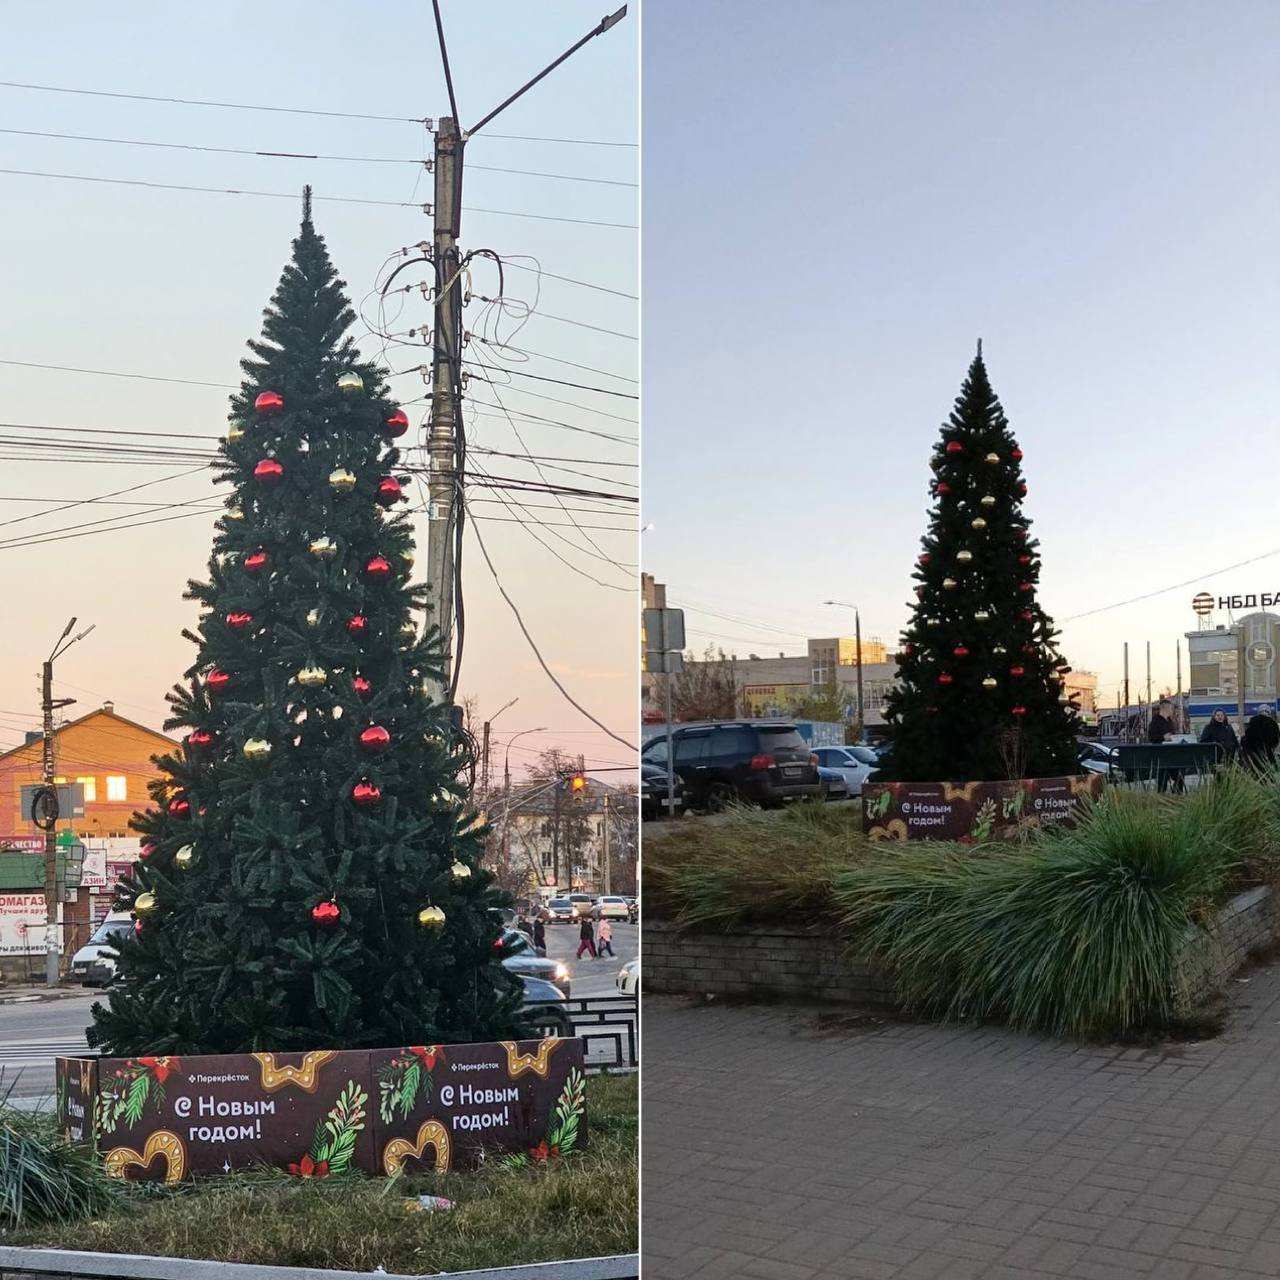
<point>32,1035</point>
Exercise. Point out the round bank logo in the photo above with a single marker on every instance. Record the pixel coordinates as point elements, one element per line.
<point>1202,604</point>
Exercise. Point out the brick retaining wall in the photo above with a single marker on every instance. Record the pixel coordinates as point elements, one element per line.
<point>772,961</point>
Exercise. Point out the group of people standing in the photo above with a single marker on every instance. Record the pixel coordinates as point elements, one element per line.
<point>592,939</point>
<point>1256,749</point>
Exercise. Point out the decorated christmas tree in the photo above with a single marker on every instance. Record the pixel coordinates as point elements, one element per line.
<point>310,875</point>
<point>980,692</point>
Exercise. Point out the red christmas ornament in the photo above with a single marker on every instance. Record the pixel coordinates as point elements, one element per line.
<point>1017,671</point>
<point>1022,489</point>
<point>942,488</point>
<point>1025,586</point>
<point>137,926</point>
<point>925,557</point>
<point>269,402</point>
<point>255,561</point>
<point>389,492</point>
<point>945,677</point>
<point>396,425</point>
<point>366,794</point>
<point>268,472</point>
<point>239,620</point>
<point>375,739</point>
<point>960,651</point>
<point>1016,455</point>
<point>378,568</point>
<point>217,680</point>
<point>180,806</point>
<point>147,850</point>
<point>358,624</point>
<point>1026,615</point>
<point>363,688</point>
<point>1020,533</point>
<point>326,913</point>
<point>1024,558</point>
<point>198,739</point>
<point>1018,711</point>
<point>954,446</point>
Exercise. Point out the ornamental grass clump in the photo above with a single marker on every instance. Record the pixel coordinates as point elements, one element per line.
<point>44,1179</point>
<point>1079,933</point>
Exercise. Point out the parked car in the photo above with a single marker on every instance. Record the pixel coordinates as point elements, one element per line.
<point>582,904</point>
<point>1097,757</point>
<point>834,786</point>
<point>854,764</point>
<point>560,911</point>
<point>94,964</point>
<point>610,908</point>
<point>759,762</point>
<point>544,1002</point>
<point>525,961</point>
<point>654,801</point>
<point>628,979</point>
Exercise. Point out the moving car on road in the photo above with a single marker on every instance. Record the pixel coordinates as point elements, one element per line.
<point>854,764</point>
<point>764,762</point>
<point>525,962</point>
<point>628,979</point>
<point>560,911</point>
<point>610,908</point>
<point>95,963</point>
<point>544,1003</point>
<point>582,904</point>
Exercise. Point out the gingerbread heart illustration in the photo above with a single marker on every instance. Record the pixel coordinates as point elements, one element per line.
<point>161,1143</point>
<point>431,1133</point>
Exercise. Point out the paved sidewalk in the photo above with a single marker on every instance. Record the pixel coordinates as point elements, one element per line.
<point>786,1144</point>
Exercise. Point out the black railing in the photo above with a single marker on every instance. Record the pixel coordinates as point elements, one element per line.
<point>612,1022</point>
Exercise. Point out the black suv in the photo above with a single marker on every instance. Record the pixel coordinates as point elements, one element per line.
<point>762,763</point>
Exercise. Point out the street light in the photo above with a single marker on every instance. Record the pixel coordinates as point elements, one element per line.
<point>857,633</point>
<point>506,786</point>
<point>484,749</point>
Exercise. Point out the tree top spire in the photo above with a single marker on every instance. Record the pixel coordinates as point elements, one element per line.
<point>306,219</point>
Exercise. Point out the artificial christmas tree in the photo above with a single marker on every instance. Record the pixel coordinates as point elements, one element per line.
<point>312,876</point>
<point>980,691</point>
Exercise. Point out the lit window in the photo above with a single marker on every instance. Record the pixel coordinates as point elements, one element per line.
<point>116,789</point>
<point>90,786</point>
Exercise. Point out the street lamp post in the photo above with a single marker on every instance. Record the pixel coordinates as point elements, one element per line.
<point>484,753</point>
<point>857,644</point>
<point>506,791</point>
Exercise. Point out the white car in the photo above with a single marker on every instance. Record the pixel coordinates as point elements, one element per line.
<point>1096,757</point>
<point>611,908</point>
<point>95,963</point>
<point>628,979</point>
<point>854,764</point>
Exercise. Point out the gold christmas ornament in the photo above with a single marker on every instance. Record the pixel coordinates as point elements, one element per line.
<point>988,500</point>
<point>234,433</point>
<point>431,917</point>
<point>989,682</point>
<point>313,617</point>
<point>964,556</point>
<point>977,523</point>
<point>341,480</point>
<point>325,548</point>
<point>257,749</point>
<point>144,903</point>
<point>949,584</point>
<point>993,458</point>
<point>460,871</point>
<point>350,382</point>
<point>981,616</point>
<point>999,649</point>
<point>184,857</point>
<point>312,677</point>
<point>233,513</point>
<point>931,622</point>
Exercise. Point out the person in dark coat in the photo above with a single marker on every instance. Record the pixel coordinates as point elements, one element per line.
<point>1261,738</point>
<point>1222,735</point>
<point>1162,726</point>
<point>586,937</point>
<point>539,934</point>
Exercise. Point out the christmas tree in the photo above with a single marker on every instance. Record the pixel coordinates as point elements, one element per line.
<point>310,874</point>
<point>980,691</point>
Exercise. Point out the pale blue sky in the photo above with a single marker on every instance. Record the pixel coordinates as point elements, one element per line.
<point>174,283</point>
<point>839,198</point>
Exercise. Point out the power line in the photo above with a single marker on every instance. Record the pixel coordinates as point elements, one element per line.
<point>546,315</point>
<point>519,373</point>
<point>542,355</point>
<point>111,373</point>
<point>66,506</point>
<point>551,275</point>
<point>537,653</point>
<point>537,395</point>
<point>293,195</point>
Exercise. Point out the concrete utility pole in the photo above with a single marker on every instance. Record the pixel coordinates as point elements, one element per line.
<point>857,641</point>
<point>444,482</point>
<point>605,852</point>
<point>48,705</point>
<point>1148,673</point>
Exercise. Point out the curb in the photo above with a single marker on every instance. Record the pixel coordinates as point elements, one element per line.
<point>44,997</point>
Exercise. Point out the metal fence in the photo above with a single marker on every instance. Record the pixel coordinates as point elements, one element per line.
<point>609,1027</point>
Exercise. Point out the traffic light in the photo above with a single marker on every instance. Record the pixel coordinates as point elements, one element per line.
<point>577,784</point>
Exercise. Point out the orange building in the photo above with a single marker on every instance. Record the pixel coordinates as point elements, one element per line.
<point>109,755</point>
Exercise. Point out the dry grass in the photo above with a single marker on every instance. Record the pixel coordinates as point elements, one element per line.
<point>583,1206</point>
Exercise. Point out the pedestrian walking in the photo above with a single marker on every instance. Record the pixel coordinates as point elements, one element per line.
<point>1161,727</point>
<point>1222,735</point>
<point>586,937</point>
<point>604,939</point>
<point>1261,738</point>
<point>539,934</point>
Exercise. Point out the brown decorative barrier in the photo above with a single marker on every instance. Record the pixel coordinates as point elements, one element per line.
<point>319,1114</point>
<point>971,812</point>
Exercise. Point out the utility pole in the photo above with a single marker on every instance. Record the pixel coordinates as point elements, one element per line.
<point>1181,708</point>
<point>444,482</point>
<point>606,879</point>
<point>857,641</point>
<point>48,704</point>
<point>1240,673</point>
<point>1148,673</point>
<point>484,762</point>
<point>1126,680</point>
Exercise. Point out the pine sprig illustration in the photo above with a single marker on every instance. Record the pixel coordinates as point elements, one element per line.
<point>335,1139</point>
<point>566,1119</point>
